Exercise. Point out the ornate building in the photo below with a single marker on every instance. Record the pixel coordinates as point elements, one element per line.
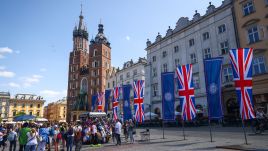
<point>88,65</point>
<point>4,105</point>
<point>56,111</point>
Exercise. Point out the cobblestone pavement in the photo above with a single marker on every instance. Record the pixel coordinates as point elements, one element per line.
<point>197,139</point>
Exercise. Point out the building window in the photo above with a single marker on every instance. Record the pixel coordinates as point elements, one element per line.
<point>23,105</point>
<point>38,113</point>
<point>121,77</point>
<point>80,43</point>
<point>196,82</point>
<point>193,58</point>
<point>248,8</point>
<point>108,85</point>
<point>14,113</point>
<point>38,105</point>
<point>259,65</point>
<point>15,104</point>
<point>95,52</point>
<point>177,61</point>
<point>227,74</point>
<point>128,74</point>
<point>165,67</point>
<point>207,53</point>
<point>191,42</point>
<point>222,28</point>
<point>176,49</point>
<point>224,47</point>
<point>205,36</point>
<point>253,35</point>
<point>30,112</point>
<point>135,72</point>
<point>113,83</point>
<point>154,58</point>
<point>164,54</point>
<point>155,89</point>
<point>154,72</point>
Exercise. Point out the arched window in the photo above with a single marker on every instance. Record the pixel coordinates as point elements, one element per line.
<point>84,85</point>
<point>95,53</point>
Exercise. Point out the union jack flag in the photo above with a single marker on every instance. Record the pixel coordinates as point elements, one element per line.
<point>116,102</point>
<point>138,87</point>
<point>100,101</point>
<point>241,60</point>
<point>186,92</point>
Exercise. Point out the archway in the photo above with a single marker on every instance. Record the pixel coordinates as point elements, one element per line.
<point>232,108</point>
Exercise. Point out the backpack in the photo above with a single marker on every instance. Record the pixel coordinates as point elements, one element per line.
<point>59,137</point>
<point>11,136</point>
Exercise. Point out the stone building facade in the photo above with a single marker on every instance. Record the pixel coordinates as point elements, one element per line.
<point>56,111</point>
<point>4,105</point>
<point>210,35</point>
<point>251,18</point>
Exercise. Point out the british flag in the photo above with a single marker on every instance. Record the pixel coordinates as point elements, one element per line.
<point>138,87</point>
<point>241,60</point>
<point>116,102</point>
<point>186,92</point>
<point>100,101</point>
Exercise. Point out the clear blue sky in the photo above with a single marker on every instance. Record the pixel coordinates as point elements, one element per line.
<point>36,36</point>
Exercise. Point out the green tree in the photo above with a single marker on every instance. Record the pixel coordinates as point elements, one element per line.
<point>20,113</point>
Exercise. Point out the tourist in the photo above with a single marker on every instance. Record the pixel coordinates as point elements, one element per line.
<point>118,127</point>
<point>57,137</point>
<point>130,131</point>
<point>70,138</point>
<point>78,138</point>
<point>32,140</point>
<point>12,138</point>
<point>23,136</point>
<point>94,134</point>
<point>44,138</point>
<point>3,138</point>
<point>125,128</point>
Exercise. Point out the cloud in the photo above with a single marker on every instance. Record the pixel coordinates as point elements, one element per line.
<point>2,67</point>
<point>14,85</point>
<point>6,74</point>
<point>29,81</point>
<point>43,69</point>
<point>127,38</point>
<point>4,50</point>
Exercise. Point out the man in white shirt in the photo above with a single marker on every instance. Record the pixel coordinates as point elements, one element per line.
<point>118,127</point>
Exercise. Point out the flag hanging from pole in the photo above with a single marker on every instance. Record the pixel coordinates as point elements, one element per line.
<point>213,68</point>
<point>107,101</point>
<point>241,60</point>
<point>138,87</point>
<point>186,92</point>
<point>101,101</point>
<point>168,99</point>
<point>126,102</point>
<point>116,102</point>
<point>93,102</point>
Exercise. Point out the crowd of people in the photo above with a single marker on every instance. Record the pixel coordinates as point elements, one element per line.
<point>62,136</point>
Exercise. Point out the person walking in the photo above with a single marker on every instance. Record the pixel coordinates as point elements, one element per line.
<point>78,138</point>
<point>125,128</point>
<point>118,127</point>
<point>70,138</point>
<point>32,140</point>
<point>44,138</point>
<point>130,131</point>
<point>57,137</point>
<point>12,138</point>
<point>23,136</point>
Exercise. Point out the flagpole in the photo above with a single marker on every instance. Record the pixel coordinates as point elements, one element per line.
<point>243,125</point>
<point>163,125</point>
<point>210,132</point>
<point>183,133</point>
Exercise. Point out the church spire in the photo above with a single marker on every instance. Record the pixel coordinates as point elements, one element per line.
<point>81,17</point>
<point>81,30</point>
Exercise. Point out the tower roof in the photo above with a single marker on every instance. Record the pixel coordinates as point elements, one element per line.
<point>81,30</point>
<point>100,37</point>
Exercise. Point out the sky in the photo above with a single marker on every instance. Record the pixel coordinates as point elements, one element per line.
<point>36,36</point>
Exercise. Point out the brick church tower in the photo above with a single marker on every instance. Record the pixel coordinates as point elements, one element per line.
<point>88,65</point>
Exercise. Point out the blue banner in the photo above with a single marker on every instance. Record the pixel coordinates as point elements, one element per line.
<point>213,69</point>
<point>168,98</point>
<point>93,102</point>
<point>126,102</point>
<point>107,100</point>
